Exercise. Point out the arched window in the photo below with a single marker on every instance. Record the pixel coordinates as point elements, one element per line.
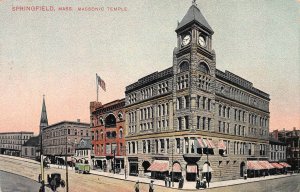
<point>184,67</point>
<point>110,121</point>
<point>203,68</point>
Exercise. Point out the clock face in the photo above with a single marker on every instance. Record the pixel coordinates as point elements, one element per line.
<point>202,41</point>
<point>186,40</point>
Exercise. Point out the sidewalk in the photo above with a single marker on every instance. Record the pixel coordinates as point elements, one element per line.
<point>187,185</point>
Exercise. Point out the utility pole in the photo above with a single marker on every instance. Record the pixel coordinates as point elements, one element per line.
<point>66,161</point>
<point>172,165</point>
<point>41,155</point>
<point>114,163</point>
<point>207,175</point>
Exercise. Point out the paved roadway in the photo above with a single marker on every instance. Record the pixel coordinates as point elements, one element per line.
<point>92,183</point>
<point>15,183</point>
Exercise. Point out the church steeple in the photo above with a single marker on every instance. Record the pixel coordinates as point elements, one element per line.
<point>194,15</point>
<point>44,119</point>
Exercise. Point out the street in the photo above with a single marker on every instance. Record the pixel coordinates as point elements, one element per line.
<point>91,182</point>
<point>16,183</point>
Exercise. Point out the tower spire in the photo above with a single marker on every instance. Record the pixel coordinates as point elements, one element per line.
<point>44,119</point>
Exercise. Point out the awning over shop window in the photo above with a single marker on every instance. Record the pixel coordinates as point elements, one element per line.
<point>285,164</point>
<point>159,166</point>
<point>266,165</point>
<point>277,165</point>
<point>176,168</point>
<point>200,143</point>
<point>221,145</point>
<point>254,165</point>
<point>191,168</point>
<point>204,143</point>
<point>206,168</point>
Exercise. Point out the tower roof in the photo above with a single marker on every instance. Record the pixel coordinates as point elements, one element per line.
<point>194,15</point>
<point>44,119</point>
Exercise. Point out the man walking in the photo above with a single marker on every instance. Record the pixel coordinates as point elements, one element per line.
<point>151,186</point>
<point>137,187</point>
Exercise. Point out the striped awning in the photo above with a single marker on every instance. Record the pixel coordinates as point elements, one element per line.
<point>254,165</point>
<point>266,165</point>
<point>159,166</point>
<point>191,168</point>
<point>284,164</point>
<point>221,145</point>
<point>176,168</point>
<point>200,143</point>
<point>210,143</point>
<point>277,165</point>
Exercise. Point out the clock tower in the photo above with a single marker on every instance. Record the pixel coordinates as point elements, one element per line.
<point>194,73</point>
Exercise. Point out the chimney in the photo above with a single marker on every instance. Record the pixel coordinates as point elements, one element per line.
<point>294,128</point>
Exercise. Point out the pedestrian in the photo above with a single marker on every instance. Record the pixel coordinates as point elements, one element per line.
<point>166,181</point>
<point>137,186</point>
<point>42,188</point>
<point>53,184</point>
<point>151,186</point>
<point>197,182</point>
<point>169,180</point>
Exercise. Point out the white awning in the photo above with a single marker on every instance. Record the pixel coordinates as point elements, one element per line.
<point>206,168</point>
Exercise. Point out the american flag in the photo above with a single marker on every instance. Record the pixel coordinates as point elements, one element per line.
<point>101,82</point>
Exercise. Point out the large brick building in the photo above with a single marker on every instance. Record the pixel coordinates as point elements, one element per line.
<point>192,118</point>
<point>107,126</point>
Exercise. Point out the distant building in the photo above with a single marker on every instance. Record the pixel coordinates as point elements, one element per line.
<point>277,150</point>
<point>11,142</point>
<point>107,124</point>
<point>292,140</point>
<point>83,152</point>
<point>60,139</point>
<point>31,148</point>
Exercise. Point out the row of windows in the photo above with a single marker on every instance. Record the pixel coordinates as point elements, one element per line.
<point>147,93</point>
<point>239,130</point>
<point>277,156</point>
<point>244,97</point>
<point>132,117</point>
<point>182,82</point>
<point>109,135</point>
<point>224,111</point>
<point>224,127</point>
<point>145,113</point>
<point>15,136</point>
<point>203,123</point>
<point>109,148</point>
<point>183,102</point>
<point>204,82</point>
<point>204,103</point>
<point>190,145</point>
<point>132,98</point>
<point>163,87</point>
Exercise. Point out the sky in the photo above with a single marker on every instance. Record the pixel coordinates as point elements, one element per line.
<point>58,53</point>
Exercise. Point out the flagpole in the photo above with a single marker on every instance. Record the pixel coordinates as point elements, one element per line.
<point>97,86</point>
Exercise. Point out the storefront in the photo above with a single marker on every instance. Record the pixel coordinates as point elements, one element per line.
<point>159,169</point>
